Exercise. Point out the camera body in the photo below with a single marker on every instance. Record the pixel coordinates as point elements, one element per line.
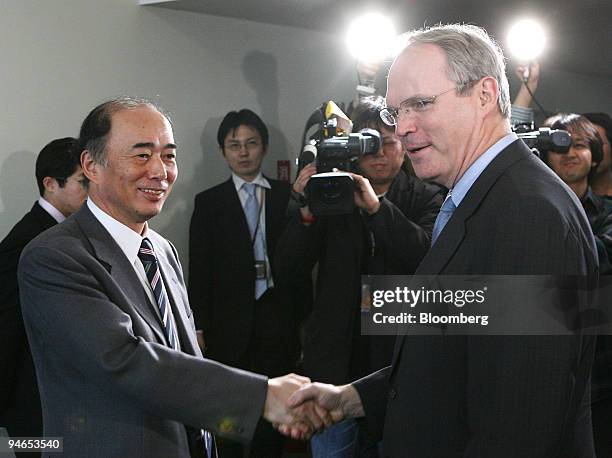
<point>330,191</point>
<point>544,139</point>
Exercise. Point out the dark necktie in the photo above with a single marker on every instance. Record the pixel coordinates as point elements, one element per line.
<point>151,267</point>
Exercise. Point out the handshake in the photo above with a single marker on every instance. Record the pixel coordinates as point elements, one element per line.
<point>298,408</point>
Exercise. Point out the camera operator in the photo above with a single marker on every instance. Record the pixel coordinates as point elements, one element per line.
<point>577,168</point>
<point>602,181</point>
<point>388,233</point>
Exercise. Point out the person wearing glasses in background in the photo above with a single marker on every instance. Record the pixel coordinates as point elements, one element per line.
<point>244,317</point>
<point>506,213</point>
<point>60,183</point>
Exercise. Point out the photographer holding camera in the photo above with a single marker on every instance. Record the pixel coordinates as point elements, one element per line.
<point>387,233</point>
<point>577,168</point>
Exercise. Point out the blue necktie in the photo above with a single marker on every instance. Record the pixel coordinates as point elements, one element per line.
<point>447,210</point>
<point>252,213</point>
<point>149,261</point>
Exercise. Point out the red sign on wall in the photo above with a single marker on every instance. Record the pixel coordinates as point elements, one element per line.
<point>283,170</point>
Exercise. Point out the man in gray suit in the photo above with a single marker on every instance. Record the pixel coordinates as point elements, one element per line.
<point>107,316</point>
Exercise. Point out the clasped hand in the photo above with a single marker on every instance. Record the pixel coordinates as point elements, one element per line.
<point>299,409</point>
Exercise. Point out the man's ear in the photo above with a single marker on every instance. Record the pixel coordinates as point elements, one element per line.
<point>488,92</point>
<point>50,184</point>
<point>90,167</point>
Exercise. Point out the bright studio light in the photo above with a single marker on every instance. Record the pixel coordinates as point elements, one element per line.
<point>526,40</point>
<point>371,37</point>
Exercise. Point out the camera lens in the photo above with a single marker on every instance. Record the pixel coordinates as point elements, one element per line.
<point>331,190</point>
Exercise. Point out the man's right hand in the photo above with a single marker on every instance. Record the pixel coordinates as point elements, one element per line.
<point>340,402</point>
<point>302,179</point>
<point>303,420</point>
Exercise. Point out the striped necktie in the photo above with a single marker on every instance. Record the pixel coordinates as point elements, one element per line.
<point>151,267</point>
<point>146,254</point>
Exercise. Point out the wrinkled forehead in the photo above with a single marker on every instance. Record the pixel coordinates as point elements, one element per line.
<point>419,70</point>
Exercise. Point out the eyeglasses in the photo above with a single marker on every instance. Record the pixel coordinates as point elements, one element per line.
<point>391,115</point>
<point>250,145</point>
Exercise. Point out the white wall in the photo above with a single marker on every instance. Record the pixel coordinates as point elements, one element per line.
<point>61,58</point>
<point>562,91</point>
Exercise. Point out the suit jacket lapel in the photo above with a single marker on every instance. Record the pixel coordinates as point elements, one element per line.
<point>187,337</point>
<point>275,214</point>
<point>450,239</point>
<point>44,219</point>
<point>106,250</point>
<point>454,232</point>
<point>232,207</point>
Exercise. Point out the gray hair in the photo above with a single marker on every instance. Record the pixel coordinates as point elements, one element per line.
<point>471,55</point>
<point>97,125</point>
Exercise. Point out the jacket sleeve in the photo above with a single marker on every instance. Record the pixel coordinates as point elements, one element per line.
<point>201,285</point>
<point>297,250</point>
<point>67,306</point>
<point>12,337</point>
<point>373,391</point>
<point>399,244</point>
<point>428,206</point>
<point>603,241</point>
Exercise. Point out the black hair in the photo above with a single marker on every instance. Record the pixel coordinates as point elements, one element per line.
<point>367,114</point>
<point>579,125</point>
<point>244,117</point>
<point>603,120</point>
<point>59,159</point>
<point>93,135</point>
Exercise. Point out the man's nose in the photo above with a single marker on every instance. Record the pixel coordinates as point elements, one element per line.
<point>406,124</point>
<point>157,167</point>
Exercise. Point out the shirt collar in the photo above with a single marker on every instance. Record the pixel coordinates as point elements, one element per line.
<point>259,180</point>
<point>464,184</point>
<point>128,240</point>
<point>589,199</point>
<point>49,208</point>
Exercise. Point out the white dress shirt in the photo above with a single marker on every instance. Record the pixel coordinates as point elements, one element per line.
<point>263,185</point>
<point>49,208</point>
<point>129,241</point>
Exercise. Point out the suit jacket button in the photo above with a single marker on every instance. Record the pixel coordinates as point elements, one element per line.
<point>392,393</point>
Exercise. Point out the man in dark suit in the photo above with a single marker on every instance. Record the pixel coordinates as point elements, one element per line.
<point>106,312</point>
<point>60,184</point>
<point>248,319</point>
<point>506,214</point>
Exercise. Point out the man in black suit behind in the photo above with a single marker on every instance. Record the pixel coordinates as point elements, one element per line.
<point>505,214</point>
<point>60,184</point>
<point>246,318</point>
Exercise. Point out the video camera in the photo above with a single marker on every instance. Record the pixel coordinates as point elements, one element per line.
<point>544,139</point>
<point>333,147</point>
